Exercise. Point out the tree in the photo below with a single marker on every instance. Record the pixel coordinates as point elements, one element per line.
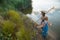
<point>21,5</point>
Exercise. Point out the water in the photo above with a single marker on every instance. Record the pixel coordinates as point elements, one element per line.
<point>55,19</point>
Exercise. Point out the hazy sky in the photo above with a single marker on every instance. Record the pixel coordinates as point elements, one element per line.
<point>44,4</point>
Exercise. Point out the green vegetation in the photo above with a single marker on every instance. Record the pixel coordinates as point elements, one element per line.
<point>15,26</point>
<point>20,5</point>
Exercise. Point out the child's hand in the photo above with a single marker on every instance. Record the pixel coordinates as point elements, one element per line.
<point>50,24</point>
<point>35,25</point>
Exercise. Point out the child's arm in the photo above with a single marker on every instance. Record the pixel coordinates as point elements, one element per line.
<point>41,25</point>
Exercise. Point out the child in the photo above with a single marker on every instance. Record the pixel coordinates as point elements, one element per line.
<point>44,26</point>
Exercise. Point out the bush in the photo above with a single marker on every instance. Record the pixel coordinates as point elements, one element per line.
<point>17,26</point>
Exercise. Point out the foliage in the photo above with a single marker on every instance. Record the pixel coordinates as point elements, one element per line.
<point>16,26</point>
<point>19,5</point>
<point>8,26</point>
<point>13,24</point>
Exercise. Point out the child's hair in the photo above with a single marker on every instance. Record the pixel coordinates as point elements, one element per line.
<point>46,18</point>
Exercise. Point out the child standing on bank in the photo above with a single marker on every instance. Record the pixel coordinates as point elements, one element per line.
<point>44,25</point>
